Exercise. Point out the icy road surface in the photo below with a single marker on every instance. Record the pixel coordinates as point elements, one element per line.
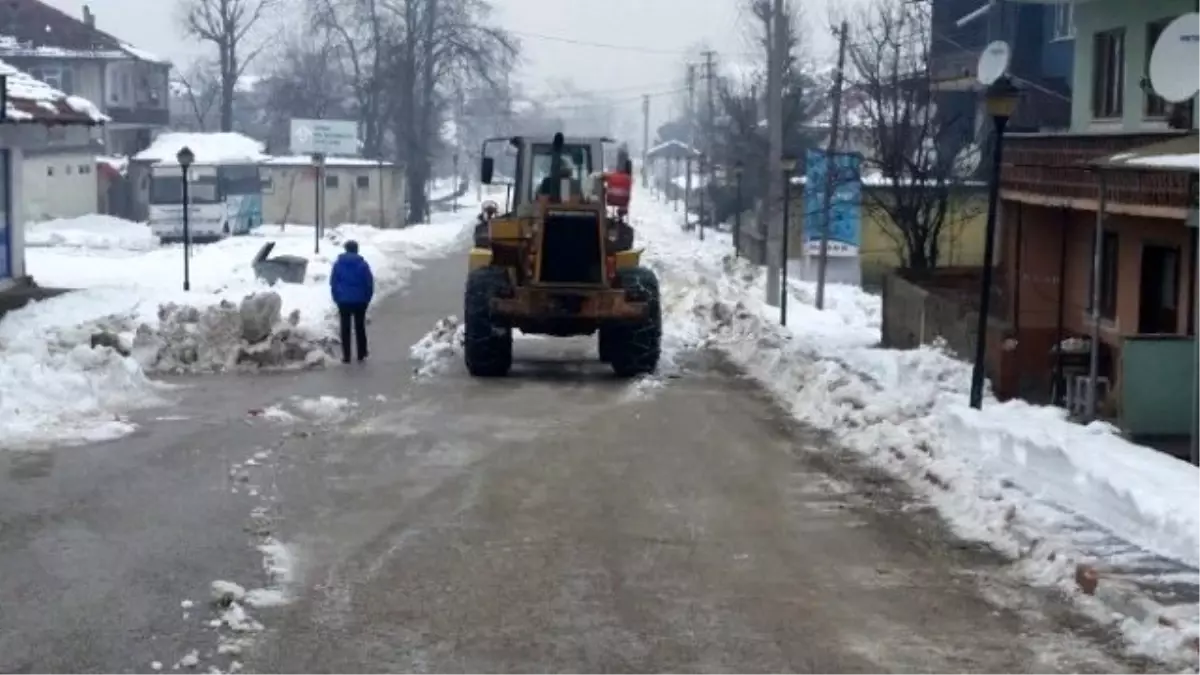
<point>558,520</point>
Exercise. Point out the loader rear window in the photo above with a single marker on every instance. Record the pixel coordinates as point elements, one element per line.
<point>579,157</point>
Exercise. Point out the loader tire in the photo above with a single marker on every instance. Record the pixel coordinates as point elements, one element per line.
<point>633,348</point>
<point>487,346</point>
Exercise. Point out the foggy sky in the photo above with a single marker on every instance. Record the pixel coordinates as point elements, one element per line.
<point>678,26</point>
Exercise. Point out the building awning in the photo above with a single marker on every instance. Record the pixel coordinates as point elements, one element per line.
<point>1179,154</point>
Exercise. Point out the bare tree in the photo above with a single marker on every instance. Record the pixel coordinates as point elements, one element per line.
<point>364,41</point>
<point>227,24</point>
<point>738,128</point>
<point>917,153</point>
<point>200,89</point>
<point>305,83</point>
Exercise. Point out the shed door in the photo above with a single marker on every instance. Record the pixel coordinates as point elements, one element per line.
<point>6,235</point>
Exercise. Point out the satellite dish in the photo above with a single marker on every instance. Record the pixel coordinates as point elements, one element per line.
<point>993,62</point>
<point>1175,62</point>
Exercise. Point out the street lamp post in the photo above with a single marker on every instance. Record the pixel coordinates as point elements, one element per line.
<point>737,216</point>
<point>185,156</point>
<point>789,166</point>
<point>1001,98</point>
<point>456,179</point>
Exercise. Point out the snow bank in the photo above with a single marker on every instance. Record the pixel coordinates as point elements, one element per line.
<point>1017,476</point>
<point>93,231</point>
<point>73,364</point>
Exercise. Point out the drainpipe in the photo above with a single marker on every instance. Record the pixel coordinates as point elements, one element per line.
<point>1020,254</point>
<point>1097,253</point>
<point>1059,386</point>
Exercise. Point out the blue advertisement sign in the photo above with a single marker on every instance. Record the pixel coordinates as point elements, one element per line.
<point>845,232</point>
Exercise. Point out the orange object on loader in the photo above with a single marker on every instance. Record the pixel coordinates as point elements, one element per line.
<point>617,186</point>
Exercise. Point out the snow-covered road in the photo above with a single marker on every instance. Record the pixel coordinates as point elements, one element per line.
<point>400,516</point>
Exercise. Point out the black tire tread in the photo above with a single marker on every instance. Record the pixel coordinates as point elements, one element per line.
<point>635,348</point>
<point>486,351</point>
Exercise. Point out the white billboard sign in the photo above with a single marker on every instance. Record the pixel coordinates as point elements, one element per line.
<point>326,137</point>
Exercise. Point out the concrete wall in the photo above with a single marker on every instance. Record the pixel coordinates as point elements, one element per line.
<point>1101,15</point>
<point>960,242</point>
<point>915,316</point>
<point>289,196</point>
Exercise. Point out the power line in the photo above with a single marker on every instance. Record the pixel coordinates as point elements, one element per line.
<point>605,45</point>
<point>582,106</point>
<point>615,90</point>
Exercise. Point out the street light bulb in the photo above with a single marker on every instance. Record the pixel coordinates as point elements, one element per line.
<point>185,156</point>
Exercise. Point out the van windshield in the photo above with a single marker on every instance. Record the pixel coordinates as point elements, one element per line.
<point>169,190</point>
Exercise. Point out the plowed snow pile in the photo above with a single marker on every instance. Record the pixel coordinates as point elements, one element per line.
<point>71,365</point>
<point>1061,499</point>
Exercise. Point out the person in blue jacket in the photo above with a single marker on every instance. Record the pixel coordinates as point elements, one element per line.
<point>353,286</point>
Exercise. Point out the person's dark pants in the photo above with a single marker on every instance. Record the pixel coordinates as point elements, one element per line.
<point>357,313</point>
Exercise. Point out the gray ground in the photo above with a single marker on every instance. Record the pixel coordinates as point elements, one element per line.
<point>558,520</point>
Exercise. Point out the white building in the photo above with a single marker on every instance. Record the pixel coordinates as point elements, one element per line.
<point>32,110</point>
<point>356,190</point>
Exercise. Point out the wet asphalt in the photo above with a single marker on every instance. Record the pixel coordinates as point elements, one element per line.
<point>557,520</point>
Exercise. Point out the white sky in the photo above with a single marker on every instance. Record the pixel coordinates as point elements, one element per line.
<point>666,25</point>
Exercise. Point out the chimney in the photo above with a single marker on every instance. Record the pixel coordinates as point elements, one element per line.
<point>89,19</point>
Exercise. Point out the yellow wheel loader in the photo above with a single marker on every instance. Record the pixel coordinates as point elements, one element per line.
<point>559,260</point>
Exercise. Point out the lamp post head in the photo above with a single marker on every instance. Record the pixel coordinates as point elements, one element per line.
<point>1002,97</point>
<point>185,156</point>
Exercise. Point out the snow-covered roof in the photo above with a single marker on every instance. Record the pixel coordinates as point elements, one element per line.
<point>671,147</point>
<point>874,179</point>
<point>1181,153</point>
<point>10,46</point>
<point>142,54</point>
<point>31,100</point>
<point>117,164</point>
<point>209,148</point>
<point>338,162</point>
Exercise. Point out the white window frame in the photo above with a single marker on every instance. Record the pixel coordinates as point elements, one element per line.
<point>1064,21</point>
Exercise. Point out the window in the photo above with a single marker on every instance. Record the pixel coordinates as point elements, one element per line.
<point>1064,21</point>
<point>239,180</point>
<point>1158,305</point>
<point>61,78</point>
<point>363,182</point>
<point>331,182</point>
<point>1109,263</point>
<point>169,190</point>
<point>1108,74</point>
<point>268,185</point>
<point>1155,106</point>
<point>84,169</point>
<point>49,171</point>
<point>579,157</point>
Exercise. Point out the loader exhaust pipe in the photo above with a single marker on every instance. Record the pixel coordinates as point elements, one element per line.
<point>556,182</point>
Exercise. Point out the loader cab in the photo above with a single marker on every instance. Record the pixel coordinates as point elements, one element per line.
<point>534,161</point>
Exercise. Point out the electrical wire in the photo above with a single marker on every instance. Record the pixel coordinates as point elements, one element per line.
<point>582,106</point>
<point>605,45</point>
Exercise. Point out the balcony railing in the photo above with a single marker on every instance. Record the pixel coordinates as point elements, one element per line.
<point>1056,166</point>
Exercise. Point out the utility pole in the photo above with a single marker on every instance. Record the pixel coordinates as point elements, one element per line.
<point>777,59</point>
<point>831,165</point>
<point>691,118</point>
<point>645,136</point>
<point>709,146</point>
